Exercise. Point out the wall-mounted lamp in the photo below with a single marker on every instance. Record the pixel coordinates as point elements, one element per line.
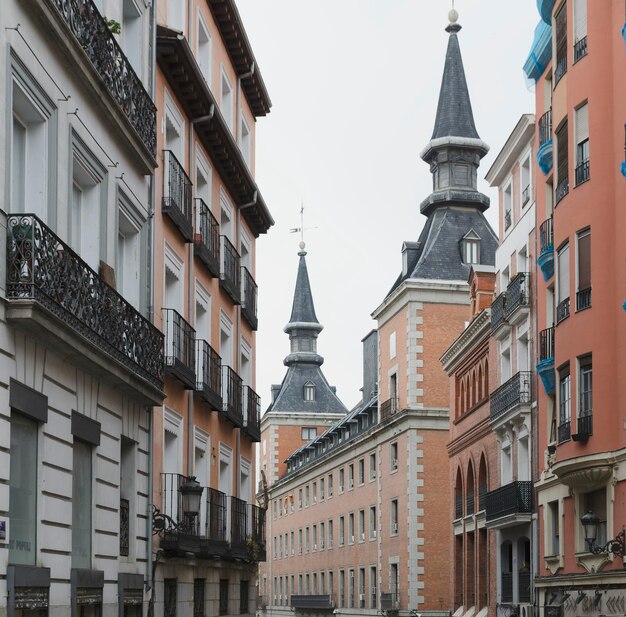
<point>191,494</point>
<point>616,546</point>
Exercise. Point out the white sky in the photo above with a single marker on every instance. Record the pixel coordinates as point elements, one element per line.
<point>354,86</point>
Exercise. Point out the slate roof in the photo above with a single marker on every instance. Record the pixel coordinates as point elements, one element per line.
<point>454,111</point>
<point>303,309</point>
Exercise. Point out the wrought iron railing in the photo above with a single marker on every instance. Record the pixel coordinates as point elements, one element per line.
<point>562,189</point>
<point>564,431</point>
<point>177,195</point>
<point>124,527</point>
<point>585,425</point>
<point>546,344</point>
<point>560,69</point>
<point>523,586</point>
<point>180,354</point>
<point>207,239</point>
<point>216,515</point>
<point>498,314</point>
<point>252,413</point>
<point>388,408</point>
<point>583,299</point>
<point>581,173</point>
<point>94,35</point>
<point>507,219</point>
<point>238,522</point>
<point>311,602</point>
<point>41,267</point>
<point>231,396</point>
<point>513,498</point>
<point>580,49</point>
<point>517,293</point>
<point>526,195</point>
<point>172,507</point>
<point>230,271</point>
<point>516,391</point>
<point>546,236</point>
<point>257,521</point>
<point>209,371</point>
<point>545,127</point>
<point>249,298</point>
<point>562,310</point>
<point>506,590</point>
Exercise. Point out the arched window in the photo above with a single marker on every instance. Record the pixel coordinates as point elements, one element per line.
<point>309,391</point>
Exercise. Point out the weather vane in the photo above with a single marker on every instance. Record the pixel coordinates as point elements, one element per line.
<point>302,228</point>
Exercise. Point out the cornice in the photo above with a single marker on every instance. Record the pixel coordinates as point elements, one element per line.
<point>477,328</point>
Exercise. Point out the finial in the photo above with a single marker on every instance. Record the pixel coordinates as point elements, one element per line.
<point>453,18</point>
<point>301,230</point>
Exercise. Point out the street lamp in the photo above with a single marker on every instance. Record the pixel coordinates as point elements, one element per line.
<point>616,546</point>
<point>190,496</point>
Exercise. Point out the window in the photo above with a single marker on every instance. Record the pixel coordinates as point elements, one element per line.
<point>309,392</point>
<point>322,536</point>
<point>198,597</point>
<point>394,516</point>
<point>580,29</point>
<point>23,490</point>
<point>373,522</point>
<point>565,413</point>
<point>299,541</point>
<point>562,309</point>
<point>596,502</point>
<point>170,586</point>
<point>351,588</point>
<point>314,537</point>
<point>244,141</point>
<point>361,471</point>
<point>361,587</point>
<point>330,534</point>
<point>341,480</point>
<point>361,525</point>
<point>132,34</point>
<point>392,345</point>
<point>223,608</point>
<point>393,451</point>
<point>322,489</point>
<point>373,587</point>
<point>130,263</point>
<point>583,262</point>
<point>227,100</point>
<point>560,26</point>
<point>585,396</point>
<point>554,546</point>
<point>314,492</point>
<point>351,528</point>
<point>308,433</point>
<point>293,543</point>
<point>330,583</point>
<point>127,493</point>
<point>330,485</point>
<point>525,181</point>
<point>581,118</point>
<point>342,530</point>
<point>81,504</point>
<point>507,198</point>
<point>204,50</point>
<point>299,499</point>
<point>471,248</point>
<point>342,588</point>
<point>372,466</point>
<point>306,496</point>
<point>562,167</point>
<point>307,539</point>
<point>351,476</point>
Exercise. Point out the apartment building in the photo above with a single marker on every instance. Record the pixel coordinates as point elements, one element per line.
<point>82,364</point>
<point>208,214</point>
<point>509,504</point>
<point>473,453</point>
<point>580,103</point>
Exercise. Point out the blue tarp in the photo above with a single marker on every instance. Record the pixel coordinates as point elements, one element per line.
<point>540,52</point>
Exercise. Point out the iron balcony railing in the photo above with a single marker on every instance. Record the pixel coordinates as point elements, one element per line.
<point>312,602</point>
<point>172,507</point>
<point>583,299</point>
<point>124,527</point>
<point>507,219</point>
<point>512,393</point>
<point>252,413</point>
<point>177,198</point>
<point>207,239</point>
<point>564,430</point>
<point>517,293</point>
<point>214,517</point>
<point>580,49</point>
<point>513,498</point>
<point>97,41</point>
<point>506,591</point>
<point>180,353</point>
<point>498,312</point>
<point>257,526</point>
<point>585,426</point>
<point>209,371</point>
<point>232,396</point>
<point>562,189</point>
<point>230,270</point>
<point>546,344</point>
<point>249,298</point>
<point>388,408</point>
<point>560,69</point>
<point>238,524</point>
<point>523,585</point>
<point>562,310</point>
<point>545,127</point>
<point>526,195</point>
<point>41,267</point>
<point>581,173</point>
<point>546,236</point>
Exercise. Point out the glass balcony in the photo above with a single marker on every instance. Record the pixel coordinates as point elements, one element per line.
<point>545,367</point>
<point>249,293</point>
<point>180,353</point>
<point>544,152</point>
<point>232,407</point>
<point>230,271</point>
<point>44,273</point>
<point>177,188</point>
<point>515,498</point>
<point>207,239</point>
<point>512,394</point>
<point>546,249</point>
<point>209,371</point>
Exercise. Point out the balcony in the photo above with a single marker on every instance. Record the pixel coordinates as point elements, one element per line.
<point>177,190</point>
<point>544,152</point>
<point>583,299</point>
<point>252,413</point>
<point>180,353</point>
<point>388,408</point>
<point>545,367</point>
<point>517,306</point>
<point>257,532</point>
<point>510,504</point>
<point>546,249</point>
<point>562,310</point>
<point>564,431</point>
<point>53,293</point>
<point>540,53</point>
<point>581,173</point>
<point>206,244</point>
<point>526,195</point>
<point>507,219</point>
<point>545,8</point>
<point>512,397</point>
<point>312,602</point>
<point>100,63</point>
<point>562,189</point>
<point>230,270</point>
<point>209,375</point>
<point>232,407</point>
<point>584,427</point>
<point>580,49</point>
<point>499,325</point>
<point>238,528</point>
<point>249,298</point>
<point>560,69</point>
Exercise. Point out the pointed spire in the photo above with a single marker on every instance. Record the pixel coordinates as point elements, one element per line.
<point>454,111</point>
<point>303,310</point>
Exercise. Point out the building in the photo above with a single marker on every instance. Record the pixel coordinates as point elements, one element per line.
<point>578,61</point>
<point>509,504</point>
<point>473,453</point>
<point>82,364</point>
<point>209,212</point>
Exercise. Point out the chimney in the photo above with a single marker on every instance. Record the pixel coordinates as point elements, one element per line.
<point>370,365</point>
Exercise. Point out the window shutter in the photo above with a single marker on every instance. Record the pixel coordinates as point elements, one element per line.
<point>580,19</point>
<point>560,23</point>
<point>563,273</point>
<point>582,123</point>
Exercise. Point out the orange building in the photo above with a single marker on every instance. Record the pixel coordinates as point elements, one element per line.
<point>578,62</point>
<point>209,93</point>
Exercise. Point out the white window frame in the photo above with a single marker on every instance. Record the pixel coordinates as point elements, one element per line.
<point>205,64</point>
<point>228,109</point>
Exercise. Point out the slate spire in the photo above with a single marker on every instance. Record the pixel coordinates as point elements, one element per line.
<point>303,309</point>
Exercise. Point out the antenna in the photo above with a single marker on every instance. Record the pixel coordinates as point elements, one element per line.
<point>302,228</point>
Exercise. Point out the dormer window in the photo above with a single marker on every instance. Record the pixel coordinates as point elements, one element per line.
<point>309,391</point>
<point>470,246</point>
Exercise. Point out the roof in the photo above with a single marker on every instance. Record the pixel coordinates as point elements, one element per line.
<point>303,310</point>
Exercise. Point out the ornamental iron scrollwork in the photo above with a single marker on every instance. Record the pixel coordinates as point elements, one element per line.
<point>42,267</point>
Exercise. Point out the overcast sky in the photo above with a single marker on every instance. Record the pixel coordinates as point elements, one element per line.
<point>354,86</point>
